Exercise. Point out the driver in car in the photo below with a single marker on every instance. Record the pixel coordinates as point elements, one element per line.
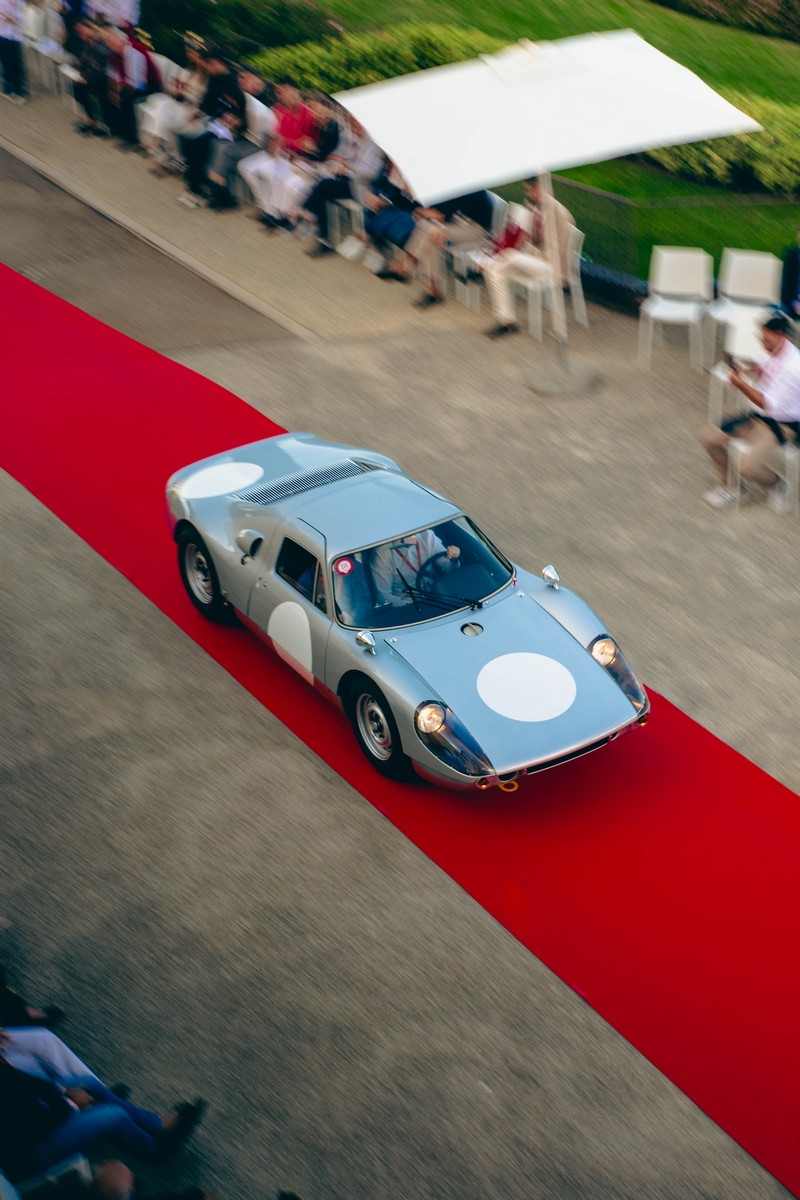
<point>397,564</point>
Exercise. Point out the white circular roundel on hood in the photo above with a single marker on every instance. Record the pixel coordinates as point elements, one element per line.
<point>221,479</point>
<point>526,687</point>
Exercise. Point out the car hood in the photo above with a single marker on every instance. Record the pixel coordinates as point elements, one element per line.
<point>525,689</point>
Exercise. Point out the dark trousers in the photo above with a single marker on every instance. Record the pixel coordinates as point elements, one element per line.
<point>13,67</point>
<point>196,153</point>
<point>120,117</point>
<point>90,101</point>
<point>324,193</point>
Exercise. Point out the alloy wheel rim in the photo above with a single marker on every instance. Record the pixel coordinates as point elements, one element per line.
<point>198,574</point>
<point>374,727</point>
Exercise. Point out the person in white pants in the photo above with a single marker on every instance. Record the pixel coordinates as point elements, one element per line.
<point>527,260</point>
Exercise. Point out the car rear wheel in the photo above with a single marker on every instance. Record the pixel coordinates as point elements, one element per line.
<point>376,730</point>
<point>200,578</point>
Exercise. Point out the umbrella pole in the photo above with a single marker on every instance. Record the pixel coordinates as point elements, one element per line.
<point>565,376</point>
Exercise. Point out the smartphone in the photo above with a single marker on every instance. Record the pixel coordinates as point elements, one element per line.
<point>729,361</point>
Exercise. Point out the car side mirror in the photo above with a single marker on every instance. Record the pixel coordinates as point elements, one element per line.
<point>550,576</point>
<point>248,541</point>
<point>365,640</point>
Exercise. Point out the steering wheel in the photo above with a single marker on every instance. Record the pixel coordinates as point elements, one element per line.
<point>424,580</point>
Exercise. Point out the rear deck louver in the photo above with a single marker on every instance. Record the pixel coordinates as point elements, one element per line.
<point>294,485</point>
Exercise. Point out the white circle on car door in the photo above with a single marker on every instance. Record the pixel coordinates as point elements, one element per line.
<point>290,631</point>
<point>527,687</point>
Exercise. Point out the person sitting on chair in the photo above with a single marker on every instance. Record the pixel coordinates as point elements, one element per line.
<point>772,420</point>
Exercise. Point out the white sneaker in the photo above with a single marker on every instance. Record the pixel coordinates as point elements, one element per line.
<point>189,200</point>
<point>721,497</point>
<point>778,498</point>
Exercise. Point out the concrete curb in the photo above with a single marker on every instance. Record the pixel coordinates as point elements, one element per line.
<point>158,243</point>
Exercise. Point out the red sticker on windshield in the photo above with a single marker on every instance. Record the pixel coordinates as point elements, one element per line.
<point>344,566</point>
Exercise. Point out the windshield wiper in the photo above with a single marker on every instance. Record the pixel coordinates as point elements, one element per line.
<point>442,599</point>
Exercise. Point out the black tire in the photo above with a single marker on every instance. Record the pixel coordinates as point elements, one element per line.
<point>200,578</point>
<point>376,729</point>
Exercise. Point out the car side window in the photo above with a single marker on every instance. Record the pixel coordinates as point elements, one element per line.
<point>300,568</point>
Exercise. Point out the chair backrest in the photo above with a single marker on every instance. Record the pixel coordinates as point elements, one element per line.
<point>499,213</point>
<point>742,338</point>
<point>682,271</point>
<point>575,250</point>
<point>750,275</point>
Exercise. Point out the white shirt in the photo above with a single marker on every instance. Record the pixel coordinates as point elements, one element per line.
<point>12,20</point>
<point>399,563</point>
<point>118,12</point>
<point>261,120</point>
<point>779,383</point>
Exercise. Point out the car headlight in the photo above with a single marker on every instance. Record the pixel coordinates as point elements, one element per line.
<point>429,718</point>
<point>449,740</point>
<point>606,652</point>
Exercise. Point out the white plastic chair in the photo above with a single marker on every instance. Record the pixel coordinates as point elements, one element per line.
<point>742,343</point>
<point>785,462</point>
<point>575,283</point>
<point>747,279</point>
<point>681,286</point>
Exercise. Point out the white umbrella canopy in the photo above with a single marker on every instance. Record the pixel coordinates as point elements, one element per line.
<point>537,107</point>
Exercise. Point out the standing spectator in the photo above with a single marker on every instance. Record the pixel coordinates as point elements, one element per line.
<point>12,64</point>
<point>527,256</point>
<point>295,130</point>
<point>772,420</point>
<point>227,155</point>
<point>91,90</point>
<point>127,84</point>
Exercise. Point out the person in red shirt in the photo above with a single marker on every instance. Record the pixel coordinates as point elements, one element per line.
<point>296,137</point>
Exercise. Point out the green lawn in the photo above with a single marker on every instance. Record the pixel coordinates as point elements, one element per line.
<point>725,58</point>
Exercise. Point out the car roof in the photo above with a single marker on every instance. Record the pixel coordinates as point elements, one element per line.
<point>369,508</point>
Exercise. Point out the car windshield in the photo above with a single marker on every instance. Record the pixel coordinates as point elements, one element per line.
<point>418,576</point>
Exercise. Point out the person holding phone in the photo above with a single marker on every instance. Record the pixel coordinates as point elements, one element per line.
<point>770,418</point>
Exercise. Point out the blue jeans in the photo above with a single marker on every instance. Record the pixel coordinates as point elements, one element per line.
<point>130,1129</point>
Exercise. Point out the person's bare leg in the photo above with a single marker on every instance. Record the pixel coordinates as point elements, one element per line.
<point>715,443</point>
<point>113,1180</point>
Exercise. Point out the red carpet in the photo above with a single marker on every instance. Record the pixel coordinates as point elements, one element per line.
<point>658,878</point>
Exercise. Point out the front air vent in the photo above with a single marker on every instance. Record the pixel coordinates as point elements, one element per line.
<point>295,485</point>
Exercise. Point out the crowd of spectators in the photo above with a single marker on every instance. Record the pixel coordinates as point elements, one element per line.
<point>238,140</point>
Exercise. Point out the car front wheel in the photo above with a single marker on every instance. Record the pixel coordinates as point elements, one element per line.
<point>200,578</point>
<point>376,730</point>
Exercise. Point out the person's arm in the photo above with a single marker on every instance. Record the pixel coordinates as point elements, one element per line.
<point>741,383</point>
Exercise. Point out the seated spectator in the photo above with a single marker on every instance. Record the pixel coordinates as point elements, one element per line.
<point>292,189</point>
<point>227,155</point>
<point>464,222</point>
<point>223,98</point>
<point>91,90</point>
<point>771,419</point>
<point>16,1011</point>
<point>54,1106</point>
<point>295,129</point>
<point>390,212</point>
<point>522,254</point>
<point>12,62</point>
<point>356,162</point>
<point>176,110</point>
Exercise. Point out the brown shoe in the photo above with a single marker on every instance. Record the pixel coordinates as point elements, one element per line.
<point>502,330</point>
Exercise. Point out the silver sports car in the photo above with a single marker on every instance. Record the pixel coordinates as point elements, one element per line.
<point>443,654</point>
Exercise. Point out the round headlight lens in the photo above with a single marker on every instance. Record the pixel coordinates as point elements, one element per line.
<point>604,651</point>
<point>430,718</point>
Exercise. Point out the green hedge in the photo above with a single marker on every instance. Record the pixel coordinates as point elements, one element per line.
<point>778,18</point>
<point>770,159</point>
<point>338,64</point>
<point>241,27</point>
